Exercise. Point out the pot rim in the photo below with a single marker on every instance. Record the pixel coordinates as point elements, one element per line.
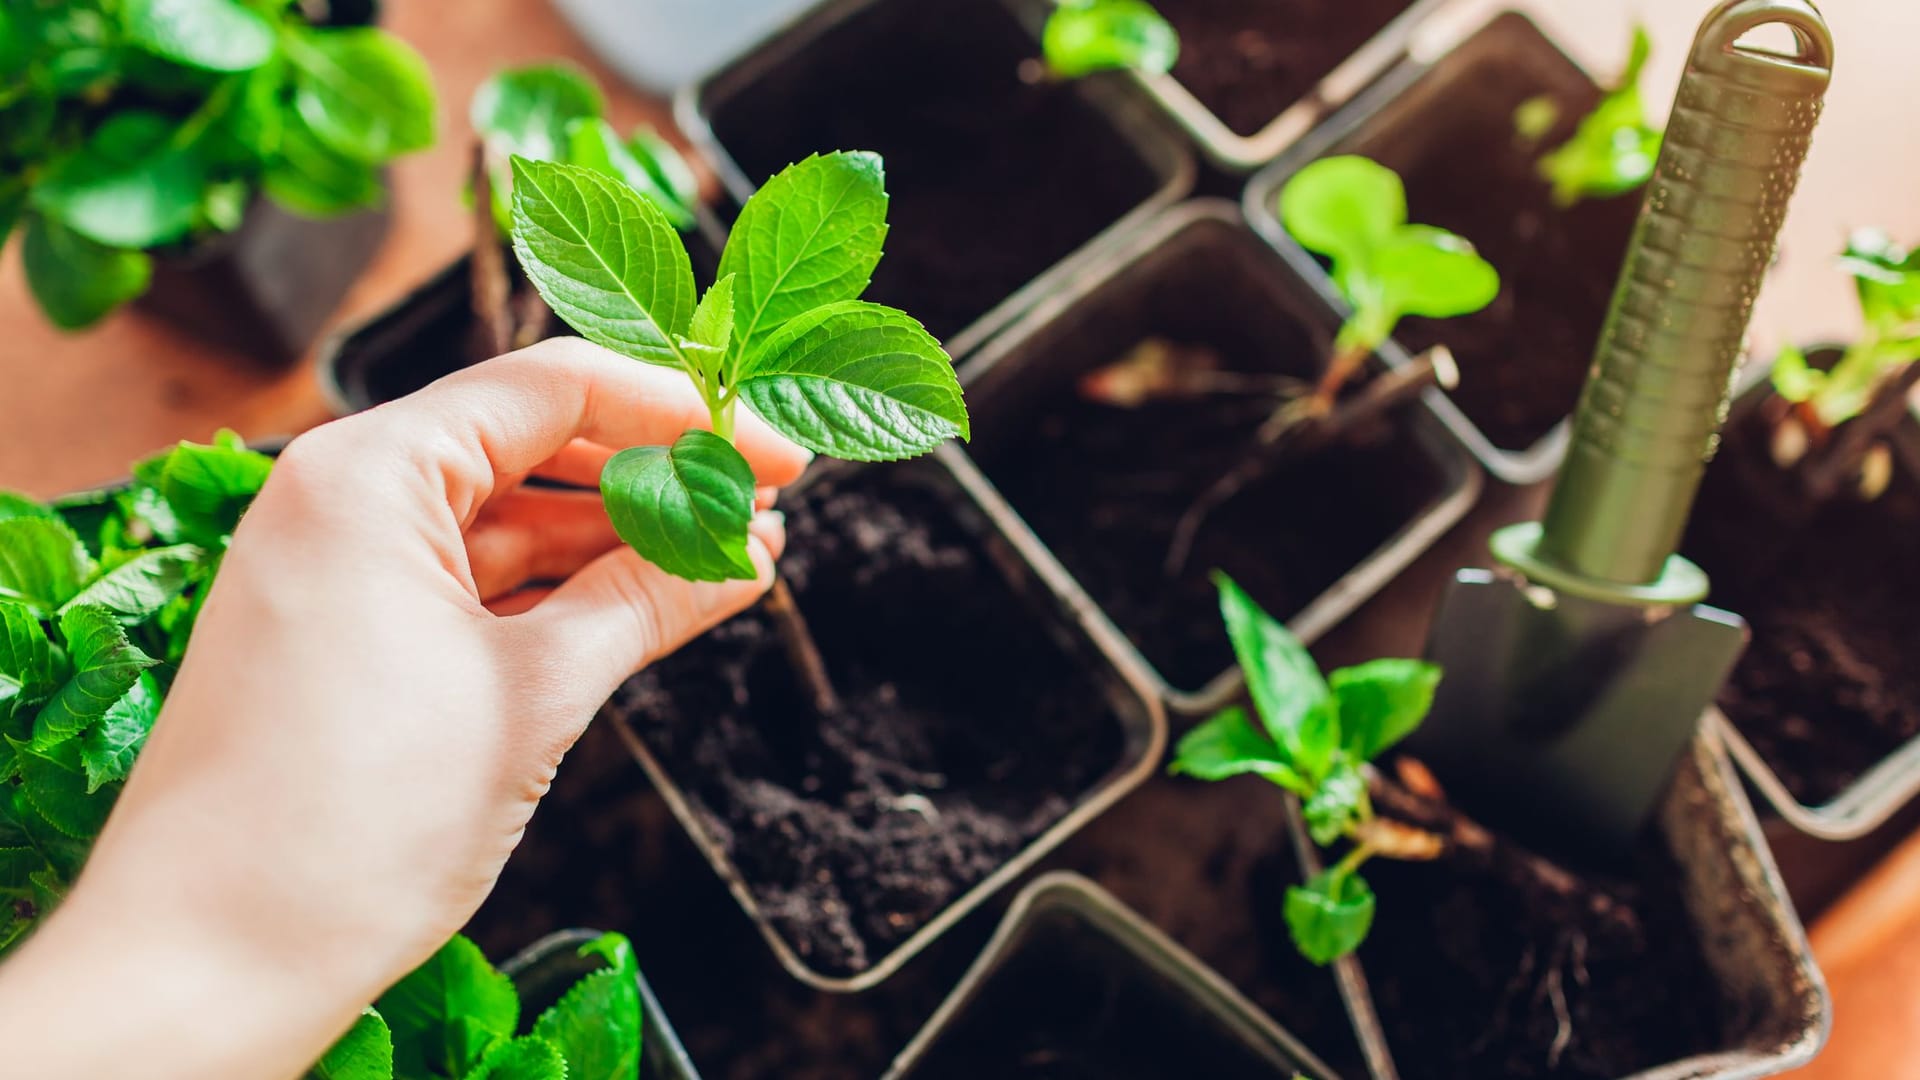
<point>1460,485</point>
<point>1128,111</point>
<point>1143,721</point>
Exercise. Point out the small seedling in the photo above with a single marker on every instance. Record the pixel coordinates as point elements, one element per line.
<point>456,1017</point>
<point>1612,151</point>
<point>98,595</point>
<point>1841,416</point>
<point>1083,37</point>
<point>128,126</point>
<point>1354,211</point>
<point>1313,739</point>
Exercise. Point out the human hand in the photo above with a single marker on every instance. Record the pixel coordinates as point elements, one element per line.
<point>378,693</point>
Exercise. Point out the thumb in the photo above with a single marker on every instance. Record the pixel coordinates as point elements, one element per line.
<point>621,612</point>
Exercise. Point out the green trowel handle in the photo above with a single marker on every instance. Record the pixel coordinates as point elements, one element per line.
<point>1649,417</point>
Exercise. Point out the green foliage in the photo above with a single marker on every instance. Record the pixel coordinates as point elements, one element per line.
<point>1354,211</point>
<point>1887,280</point>
<point>128,126</point>
<point>1085,36</point>
<point>456,1017</point>
<point>1612,151</point>
<point>554,112</point>
<point>783,329</point>
<point>1313,737</point>
<point>98,595</point>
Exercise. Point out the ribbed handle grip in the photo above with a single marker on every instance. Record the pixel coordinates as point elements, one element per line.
<point>1650,414</point>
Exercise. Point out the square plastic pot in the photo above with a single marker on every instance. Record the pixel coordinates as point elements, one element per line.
<point>543,971</point>
<point>1098,966</point>
<point>1198,273</point>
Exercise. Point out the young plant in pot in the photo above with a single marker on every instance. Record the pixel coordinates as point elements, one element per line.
<point>1083,37</point>
<point>1802,524</point>
<point>482,306</point>
<point>140,138</point>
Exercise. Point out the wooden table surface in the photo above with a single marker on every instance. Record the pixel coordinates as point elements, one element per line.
<point>74,410</point>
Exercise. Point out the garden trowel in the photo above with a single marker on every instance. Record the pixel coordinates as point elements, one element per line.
<point>1577,671</point>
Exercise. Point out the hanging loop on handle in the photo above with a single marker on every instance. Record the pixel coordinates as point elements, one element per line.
<point>1650,414</point>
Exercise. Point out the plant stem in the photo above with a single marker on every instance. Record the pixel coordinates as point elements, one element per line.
<point>1829,468</point>
<point>802,652</point>
<point>491,284</point>
<point>1347,359</point>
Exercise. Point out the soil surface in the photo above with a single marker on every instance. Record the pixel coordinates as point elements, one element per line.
<point>934,87</point>
<point>966,730</point>
<point>1105,486</point>
<point>1249,61</point>
<point>1828,687</point>
<point>1523,358</point>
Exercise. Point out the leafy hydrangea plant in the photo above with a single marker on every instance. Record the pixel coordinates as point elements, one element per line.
<point>782,330</point>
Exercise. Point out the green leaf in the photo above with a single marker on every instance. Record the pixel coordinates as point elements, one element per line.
<point>712,322</point>
<point>525,1058</point>
<point>129,187</point>
<point>42,562</point>
<point>616,950</point>
<point>202,489</point>
<point>363,92</point>
<point>1343,207</point>
<point>17,867</point>
<point>596,1025</point>
<point>527,110</point>
<point>1431,272</point>
<point>108,748</point>
<point>810,236</point>
<point>29,668</point>
<point>1614,149</point>
<point>1085,36</point>
<point>684,508</point>
<point>64,853</point>
<point>1228,745</point>
<point>606,260</point>
<point>106,666</point>
<point>447,1013</point>
<point>1335,802</point>
<point>54,784</point>
<point>365,1052</point>
<point>1329,916</point>
<point>669,168</point>
<point>1292,700</point>
<point>142,585</point>
<point>76,281</point>
<point>592,143</point>
<point>20,506</point>
<point>217,35</point>
<point>1381,702</point>
<point>857,381</point>
<point>309,177</point>
<point>1793,378</point>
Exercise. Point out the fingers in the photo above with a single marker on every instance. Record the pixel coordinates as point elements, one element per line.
<point>621,612</point>
<point>536,535</point>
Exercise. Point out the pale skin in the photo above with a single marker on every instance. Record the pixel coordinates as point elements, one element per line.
<point>378,694</point>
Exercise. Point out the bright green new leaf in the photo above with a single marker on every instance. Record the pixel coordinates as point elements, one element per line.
<point>54,783</point>
<point>857,381</point>
<point>105,666</point>
<point>143,584</point>
<point>29,668</point>
<point>1614,148</point>
<point>363,92</point>
<point>1887,278</point>
<point>76,281</point>
<point>712,322</point>
<point>1336,802</point>
<point>42,563</point>
<point>606,260</point>
<point>107,749</point>
<point>526,1058</point>
<point>365,1052</point>
<point>217,35</point>
<point>204,488</point>
<point>684,508</point>
<point>421,1010</point>
<point>1431,272</point>
<point>1329,915</point>
<point>1793,378</point>
<point>1344,208</point>
<point>810,236</point>
<point>1085,36</point>
<point>592,143</point>
<point>129,187</point>
<point>20,506</point>
<point>1289,695</point>
<point>596,1025</point>
<point>1381,702</point>
<point>1228,745</point>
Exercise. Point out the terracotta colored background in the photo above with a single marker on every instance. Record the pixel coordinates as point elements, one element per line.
<point>75,410</point>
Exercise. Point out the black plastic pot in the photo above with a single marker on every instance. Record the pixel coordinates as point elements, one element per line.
<point>995,183</point>
<point>985,720</point>
<point>543,971</point>
<point>1754,981</point>
<point>1823,710</point>
<point>1099,488</point>
<point>1447,128</point>
<point>1074,984</point>
<point>429,332</point>
<point>265,290</point>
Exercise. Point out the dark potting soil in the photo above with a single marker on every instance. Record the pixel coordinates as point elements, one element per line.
<point>992,180</point>
<point>1480,971</point>
<point>1828,687</point>
<point>1106,486</point>
<point>967,730</point>
<point>1524,358</point>
<point>1248,61</point>
<point>1072,1003</point>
